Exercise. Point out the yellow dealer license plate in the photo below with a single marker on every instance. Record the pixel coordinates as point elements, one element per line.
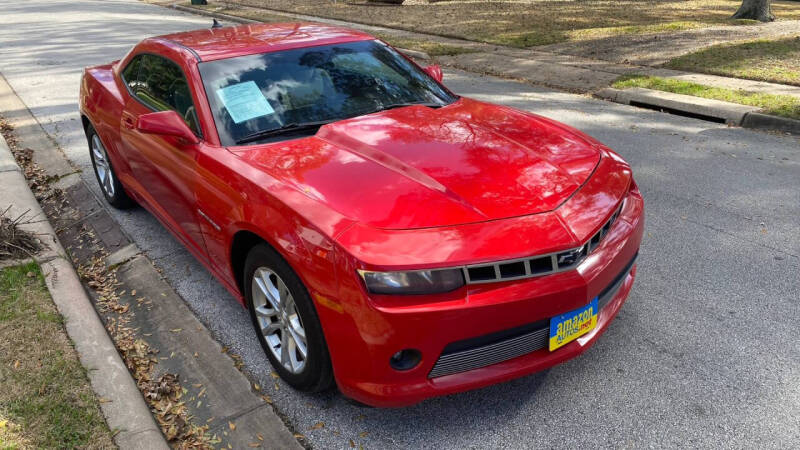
<point>572,325</point>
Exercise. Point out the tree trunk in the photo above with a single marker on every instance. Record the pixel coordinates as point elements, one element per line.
<point>755,10</point>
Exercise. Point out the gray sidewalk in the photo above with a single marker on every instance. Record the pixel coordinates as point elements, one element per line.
<point>124,408</point>
<point>217,395</point>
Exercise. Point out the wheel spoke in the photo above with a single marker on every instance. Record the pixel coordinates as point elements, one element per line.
<point>109,183</point>
<point>284,347</point>
<point>265,311</point>
<point>294,347</point>
<point>283,291</point>
<point>297,327</point>
<point>299,342</point>
<point>270,328</point>
<point>262,279</point>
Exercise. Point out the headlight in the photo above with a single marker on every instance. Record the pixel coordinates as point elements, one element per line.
<point>413,282</point>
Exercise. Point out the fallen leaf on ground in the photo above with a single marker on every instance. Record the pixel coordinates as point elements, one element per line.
<point>317,426</point>
<point>232,426</point>
<point>363,434</point>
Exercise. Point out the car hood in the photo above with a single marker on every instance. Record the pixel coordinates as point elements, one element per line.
<point>419,167</point>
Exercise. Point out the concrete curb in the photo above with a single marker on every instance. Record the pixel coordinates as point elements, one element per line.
<point>122,404</point>
<point>416,54</point>
<point>731,113</point>
<point>767,122</point>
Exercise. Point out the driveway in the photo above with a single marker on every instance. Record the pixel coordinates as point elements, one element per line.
<point>704,354</point>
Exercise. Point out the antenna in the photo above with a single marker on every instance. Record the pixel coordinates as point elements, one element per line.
<point>216,24</point>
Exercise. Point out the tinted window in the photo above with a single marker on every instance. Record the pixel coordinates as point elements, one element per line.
<point>253,94</point>
<point>131,73</point>
<point>162,86</point>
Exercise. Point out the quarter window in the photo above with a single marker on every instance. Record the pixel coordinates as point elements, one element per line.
<point>131,73</point>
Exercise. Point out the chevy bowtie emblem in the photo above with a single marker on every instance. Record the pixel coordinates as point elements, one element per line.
<point>569,257</point>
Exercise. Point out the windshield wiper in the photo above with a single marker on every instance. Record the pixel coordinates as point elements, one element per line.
<point>288,128</point>
<point>403,105</point>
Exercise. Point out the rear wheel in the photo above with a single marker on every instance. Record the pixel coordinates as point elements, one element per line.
<point>109,183</point>
<point>285,321</point>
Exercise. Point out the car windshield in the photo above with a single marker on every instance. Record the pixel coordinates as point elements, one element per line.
<point>256,98</point>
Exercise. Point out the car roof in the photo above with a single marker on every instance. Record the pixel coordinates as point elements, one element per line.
<point>227,42</point>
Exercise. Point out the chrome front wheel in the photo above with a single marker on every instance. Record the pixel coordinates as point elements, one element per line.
<point>278,320</point>
<point>286,321</point>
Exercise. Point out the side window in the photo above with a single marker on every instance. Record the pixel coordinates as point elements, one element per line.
<point>162,86</point>
<point>131,73</point>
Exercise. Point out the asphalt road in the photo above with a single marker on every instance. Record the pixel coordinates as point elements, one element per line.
<point>704,354</point>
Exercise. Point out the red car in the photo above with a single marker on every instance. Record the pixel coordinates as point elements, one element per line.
<point>385,234</point>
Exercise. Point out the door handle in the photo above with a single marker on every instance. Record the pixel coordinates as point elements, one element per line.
<point>128,122</point>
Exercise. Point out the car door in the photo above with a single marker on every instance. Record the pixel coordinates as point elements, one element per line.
<point>164,167</point>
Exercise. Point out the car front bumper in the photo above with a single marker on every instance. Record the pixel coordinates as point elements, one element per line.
<point>488,323</point>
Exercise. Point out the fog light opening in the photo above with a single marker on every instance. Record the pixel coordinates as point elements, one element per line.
<point>405,359</point>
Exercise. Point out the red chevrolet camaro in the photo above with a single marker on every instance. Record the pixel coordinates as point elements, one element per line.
<point>385,233</point>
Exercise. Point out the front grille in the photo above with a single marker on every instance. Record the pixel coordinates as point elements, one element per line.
<point>534,266</point>
<point>497,347</point>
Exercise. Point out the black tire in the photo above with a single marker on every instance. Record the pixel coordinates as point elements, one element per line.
<point>317,373</point>
<point>115,195</point>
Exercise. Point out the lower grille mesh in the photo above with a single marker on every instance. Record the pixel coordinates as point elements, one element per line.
<point>490,354</point>
<point>511,347</point>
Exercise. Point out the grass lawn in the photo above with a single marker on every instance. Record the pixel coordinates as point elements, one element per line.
<point>45,397</point>
<point>776,60</point>
<point>779,105</point>
<point>525,23</point>
<point>429,47</point>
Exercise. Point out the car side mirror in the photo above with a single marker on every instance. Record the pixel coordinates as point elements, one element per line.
<point>435,71</point>
<point>166,123</point>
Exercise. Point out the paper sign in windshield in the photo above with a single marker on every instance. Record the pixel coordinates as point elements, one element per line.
<point>244,101</point>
